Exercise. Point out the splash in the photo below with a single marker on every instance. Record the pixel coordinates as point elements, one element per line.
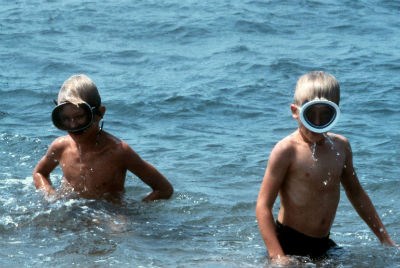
<point>313,151</point>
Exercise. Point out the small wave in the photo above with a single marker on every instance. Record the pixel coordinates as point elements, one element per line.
<point>3,114</point>
<point>239,49</point>
<point>288,65</point>
<point>186,31</point>
<point>247,26</point>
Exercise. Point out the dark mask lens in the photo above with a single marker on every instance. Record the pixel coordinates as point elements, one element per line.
<point>320,115</point>
<point>71,117</point>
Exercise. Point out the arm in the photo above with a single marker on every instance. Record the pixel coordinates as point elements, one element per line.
<point>360,200</point>
<point>41,173</point>
<point>162,189</point>
<point>274,176</point>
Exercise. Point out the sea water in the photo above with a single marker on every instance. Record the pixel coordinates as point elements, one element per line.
<point>201,89</point>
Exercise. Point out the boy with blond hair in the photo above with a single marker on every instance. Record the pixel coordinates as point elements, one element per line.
<point>306,169</point>
<point>94,163</point>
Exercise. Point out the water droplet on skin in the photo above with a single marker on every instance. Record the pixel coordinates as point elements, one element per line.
<point>330,141</point>
<point>325,182</point>
<point>313,149</point>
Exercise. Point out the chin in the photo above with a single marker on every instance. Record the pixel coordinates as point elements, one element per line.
<point>82,133</point>
<point>317,137</point>
<point>312,137</point>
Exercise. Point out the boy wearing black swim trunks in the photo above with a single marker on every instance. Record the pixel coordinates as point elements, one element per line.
<point>306,169</point>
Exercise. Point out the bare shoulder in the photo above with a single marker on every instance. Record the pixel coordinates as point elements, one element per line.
<point>60,142</point>
<point>119,147</point>
<point>339,138</point>
<point>283,152</point>
<point>341,141</point>
<point>58,146</point>
<point>117,143</point>
<point>286,146</point>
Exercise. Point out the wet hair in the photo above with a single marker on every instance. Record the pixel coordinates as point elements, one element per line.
<point>78,89</point>
<point>316,84</point>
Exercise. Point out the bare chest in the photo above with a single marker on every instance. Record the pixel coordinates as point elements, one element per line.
<point>96,173</point>
<point>314,174</point>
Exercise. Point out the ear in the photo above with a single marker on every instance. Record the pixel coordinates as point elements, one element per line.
<point>102,110</point>
<point>295,111</point>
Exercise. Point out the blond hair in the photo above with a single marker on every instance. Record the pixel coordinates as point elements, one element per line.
<point>78,89</point>
<point>316,84</point>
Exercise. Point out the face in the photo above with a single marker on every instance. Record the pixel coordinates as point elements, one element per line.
<point>72,118</point>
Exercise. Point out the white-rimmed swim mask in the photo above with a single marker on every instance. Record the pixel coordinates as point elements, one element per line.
<point>319,115</point>
<point>73,118</point>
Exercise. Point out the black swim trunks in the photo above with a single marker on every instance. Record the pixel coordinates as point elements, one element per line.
<point>299,244</point>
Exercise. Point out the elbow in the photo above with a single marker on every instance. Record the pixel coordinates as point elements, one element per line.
<point>260,207</point>
<point>40,181</point>
<point>159,194</point>
<point>167,193</point>
<point>263,211</point>
<point>37,180</point>
<point>259,211</point>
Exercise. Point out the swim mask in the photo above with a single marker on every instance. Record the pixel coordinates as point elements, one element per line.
<point>77,103</point>
<point>73,118</point>
<point>319,115</point>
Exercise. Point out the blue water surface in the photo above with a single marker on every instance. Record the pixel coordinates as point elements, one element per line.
<point>201,89</point>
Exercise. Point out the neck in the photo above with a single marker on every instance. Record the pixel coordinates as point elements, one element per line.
<point>311,137</point>
<point>89,139</point>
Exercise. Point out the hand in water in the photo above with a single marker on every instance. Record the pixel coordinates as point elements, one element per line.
<point>282,261</point>
<point>50,194</point>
